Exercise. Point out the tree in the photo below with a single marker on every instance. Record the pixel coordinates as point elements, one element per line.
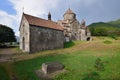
<point>6,34</point>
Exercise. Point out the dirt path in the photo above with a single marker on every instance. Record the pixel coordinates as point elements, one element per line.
<point>6,54</point>
<point>7,61</point>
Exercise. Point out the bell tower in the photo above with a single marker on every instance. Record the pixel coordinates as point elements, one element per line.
<point>49,16</point>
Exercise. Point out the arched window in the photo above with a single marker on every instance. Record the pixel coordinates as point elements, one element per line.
<point>23,43</point>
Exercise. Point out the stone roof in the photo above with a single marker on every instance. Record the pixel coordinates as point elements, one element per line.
<point>32,20</point>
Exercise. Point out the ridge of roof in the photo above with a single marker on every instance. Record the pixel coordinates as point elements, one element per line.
<point>36,21</point>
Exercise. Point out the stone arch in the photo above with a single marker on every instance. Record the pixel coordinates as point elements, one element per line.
<point>88,38</point>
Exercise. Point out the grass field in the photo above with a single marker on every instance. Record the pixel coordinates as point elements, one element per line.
<point>78,57</point>
<point>3,74</point>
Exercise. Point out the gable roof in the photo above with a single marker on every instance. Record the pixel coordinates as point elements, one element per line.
<point>32,20</point>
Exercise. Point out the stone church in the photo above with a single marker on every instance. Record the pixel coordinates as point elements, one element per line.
<point>73,30</point>
<point>37,34</point>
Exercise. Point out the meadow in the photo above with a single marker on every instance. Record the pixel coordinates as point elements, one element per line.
<point>78,57</point>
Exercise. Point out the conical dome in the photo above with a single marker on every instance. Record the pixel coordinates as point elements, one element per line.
<point>69,11</point>
<point>69,14</point>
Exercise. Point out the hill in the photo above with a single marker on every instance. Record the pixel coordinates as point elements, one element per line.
<point>116,23</point>
<point>105,29</point>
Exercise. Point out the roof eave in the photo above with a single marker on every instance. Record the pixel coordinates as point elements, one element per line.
<point>46,27</point>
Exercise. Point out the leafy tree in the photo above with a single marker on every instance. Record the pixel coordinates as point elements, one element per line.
<point>6,34</point>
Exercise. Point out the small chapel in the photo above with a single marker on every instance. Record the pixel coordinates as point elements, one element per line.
<point>37,34</point>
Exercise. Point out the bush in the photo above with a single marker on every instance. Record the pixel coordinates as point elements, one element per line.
<point>114,36</point>
<point>68,44</point>
<point>99,65</point>
<point>107,42</point>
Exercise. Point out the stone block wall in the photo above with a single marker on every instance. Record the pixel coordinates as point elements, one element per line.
<point>45,39</point>
<point>24,35</point>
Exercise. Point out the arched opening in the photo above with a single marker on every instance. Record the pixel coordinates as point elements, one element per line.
<point>23,43</point>
<point>88,39</point>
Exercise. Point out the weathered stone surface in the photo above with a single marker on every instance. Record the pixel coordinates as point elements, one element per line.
<point>35,38</point>
<point>45,39</point>
<point>50,70</point>
<point>24,35</point>
<point>73,29</point>
<point>51,67</point>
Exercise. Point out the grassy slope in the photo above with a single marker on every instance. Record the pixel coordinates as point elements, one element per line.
<point>104,25</point>
<point>111,24</point>
<point>109,27</point>
<point>105,29</point>
<point>117,22</point>
<point>3,73</point>
<point>78,60</point>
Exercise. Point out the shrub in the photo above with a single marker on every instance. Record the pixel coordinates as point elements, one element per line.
<point>99,65</point>
<point>107,42</point>
<point>68,44</point>
<point>114,36</point>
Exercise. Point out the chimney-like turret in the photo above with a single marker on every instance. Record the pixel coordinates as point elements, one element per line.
<point>49,16</point>
<point>83,22</point>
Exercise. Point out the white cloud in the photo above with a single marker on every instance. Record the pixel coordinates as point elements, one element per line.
<point>7,19</point>
<point>33,7</point>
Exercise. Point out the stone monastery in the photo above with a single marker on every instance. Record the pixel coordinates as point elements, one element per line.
<point>37,34</point>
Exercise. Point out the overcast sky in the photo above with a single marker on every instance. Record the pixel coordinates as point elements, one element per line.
<point>90,10</point>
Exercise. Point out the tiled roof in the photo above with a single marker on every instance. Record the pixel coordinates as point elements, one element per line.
<point>32,20</point>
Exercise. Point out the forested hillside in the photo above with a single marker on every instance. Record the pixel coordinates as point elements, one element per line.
<point>105,29</point>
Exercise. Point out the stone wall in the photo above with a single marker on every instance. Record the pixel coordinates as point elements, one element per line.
<point>75,30</point>
<point>45,39</point>
<point>83,35</point>
<point>24,35</point>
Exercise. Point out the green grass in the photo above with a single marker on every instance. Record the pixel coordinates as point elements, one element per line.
<point>79,63</point>
<point>79,60</point>
<point>3,74</point>
<point>107,42</point>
